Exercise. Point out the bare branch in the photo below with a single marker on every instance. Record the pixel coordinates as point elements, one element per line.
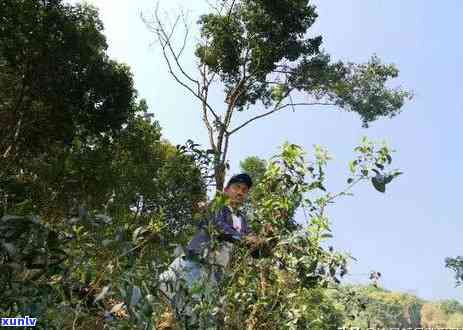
<point>164,39</point>
<point>230,10</point>
<point>187,31</point>
<point>345,191</point>
<point>290,96</point>
<point>15,138</point>
<point>283,71</point>
<point>209,129</point>
<point>171,71</point>
<point>211,79</point>
<point>167,39</point>
<point>225,150</point>
<point>239,89</point>
<point>292,102</point>
<point>205,94</point>
<point>272,83</point>
<point>275,110</point>
<point>233,98</point>
<point>18,125</point>
<point>216,8</point>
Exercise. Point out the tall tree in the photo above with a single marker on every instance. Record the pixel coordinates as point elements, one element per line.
<point>85,180</point>
<point>59,92</point>
<point>56,80</point>
<point>260,53</point>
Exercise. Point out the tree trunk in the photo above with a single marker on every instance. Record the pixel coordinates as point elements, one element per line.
<point>219,177</point>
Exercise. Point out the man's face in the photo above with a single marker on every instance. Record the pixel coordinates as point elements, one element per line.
<point>237,192</point>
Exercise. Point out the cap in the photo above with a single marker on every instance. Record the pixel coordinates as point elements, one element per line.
<point>240,178</point>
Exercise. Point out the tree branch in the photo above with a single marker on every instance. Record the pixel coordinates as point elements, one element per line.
<point>165,43</point>
<point>18,125</point>
<point>345,191</point>
<point>205,91</point>
<point>230,10</point>
<point>162,32</point>
<point>225,150</point>
<point>164,39</point>
<point>187,31</point>
<point>275,110</point>
<point>283,71</point>
<point>233,97</point>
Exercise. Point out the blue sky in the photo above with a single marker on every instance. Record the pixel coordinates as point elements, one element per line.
<point>407,232</point>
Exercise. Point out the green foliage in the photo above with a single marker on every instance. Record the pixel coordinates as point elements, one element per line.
<point>260,52</point>
<point>134,169</point>
<point>90,195</point>
<point>254,167</point>
<point>261,48</point>
<point>288,286</point>
<point>456,264</point>
<point>432,316</point>
<point>56,78</point>
<point>372,307</point>
<point>455,321</point>
<point>451,306</point>
<point>249,27</point>
<point>116,228</point>
<point>359,88</point>
<point>371,164</point>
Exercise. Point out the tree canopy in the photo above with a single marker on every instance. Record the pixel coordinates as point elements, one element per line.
<point>261,52</point>
<point>85,178</point>
<point>57,78</point>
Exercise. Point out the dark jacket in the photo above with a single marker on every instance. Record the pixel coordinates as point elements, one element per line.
<point>223,223</point>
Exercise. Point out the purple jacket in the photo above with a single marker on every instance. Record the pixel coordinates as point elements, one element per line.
<point>223,223</point>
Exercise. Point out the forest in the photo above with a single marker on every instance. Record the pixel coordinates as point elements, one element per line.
<point>95,203</point>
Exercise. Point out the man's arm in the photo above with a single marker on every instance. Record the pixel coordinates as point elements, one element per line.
<point>261,245</point>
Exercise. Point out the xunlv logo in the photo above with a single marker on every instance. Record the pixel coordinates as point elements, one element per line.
<point>18,321</point>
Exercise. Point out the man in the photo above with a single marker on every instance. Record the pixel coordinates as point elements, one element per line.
<point>202,266</point>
